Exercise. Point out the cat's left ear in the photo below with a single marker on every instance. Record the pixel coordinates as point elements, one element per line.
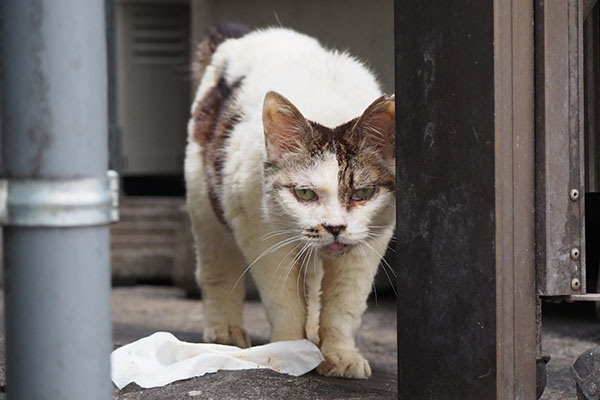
<point>286,130</point>
<point>377,125</point>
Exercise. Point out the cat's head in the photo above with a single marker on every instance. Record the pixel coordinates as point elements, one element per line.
<point>333,187</point>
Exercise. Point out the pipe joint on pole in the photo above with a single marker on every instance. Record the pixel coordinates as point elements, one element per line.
<point>59,202</point>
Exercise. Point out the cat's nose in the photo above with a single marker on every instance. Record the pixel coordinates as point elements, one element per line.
<point>334,229</point>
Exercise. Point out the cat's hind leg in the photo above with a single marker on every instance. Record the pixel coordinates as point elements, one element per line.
<point>219,266</point>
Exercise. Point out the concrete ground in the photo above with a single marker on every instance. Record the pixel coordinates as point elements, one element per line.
<point>138,311</point>
<point>568,331</point>
<point>142,310</point>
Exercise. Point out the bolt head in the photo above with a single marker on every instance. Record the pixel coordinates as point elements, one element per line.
<point>575,253</point>
<point>574,195</point>
<point>575,284</point>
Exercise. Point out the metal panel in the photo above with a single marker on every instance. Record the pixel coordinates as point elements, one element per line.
<point>560,230</point>
<point>152,85</point>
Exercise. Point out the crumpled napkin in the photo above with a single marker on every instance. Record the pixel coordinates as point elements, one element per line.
<point>161,358</point>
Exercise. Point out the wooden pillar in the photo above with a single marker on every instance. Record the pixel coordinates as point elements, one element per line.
<point>465,200</point>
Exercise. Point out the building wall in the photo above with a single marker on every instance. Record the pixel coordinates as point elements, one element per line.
<point>365,28</point>
<point>153,84</point>
<point>153,39</point>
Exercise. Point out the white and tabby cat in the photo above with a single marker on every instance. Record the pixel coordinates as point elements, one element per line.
<point>289,171</point>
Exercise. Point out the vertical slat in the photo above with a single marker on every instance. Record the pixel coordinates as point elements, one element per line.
<point>515,189</point>
<point>592,104</point>
<point>560,158</point>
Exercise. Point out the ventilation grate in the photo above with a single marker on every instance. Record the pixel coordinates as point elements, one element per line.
<point>160,35</point>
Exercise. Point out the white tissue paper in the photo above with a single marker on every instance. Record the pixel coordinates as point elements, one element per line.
<point>161,358</point>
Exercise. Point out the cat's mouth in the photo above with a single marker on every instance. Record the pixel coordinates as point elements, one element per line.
<point>336,247</point>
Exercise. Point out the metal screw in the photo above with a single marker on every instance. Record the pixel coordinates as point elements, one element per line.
<point>575,284</point>
<point>575,253</point>
<point>592,388</point>
<point>574,194</point>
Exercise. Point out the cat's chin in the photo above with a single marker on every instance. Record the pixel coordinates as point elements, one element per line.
<point>335,249</point>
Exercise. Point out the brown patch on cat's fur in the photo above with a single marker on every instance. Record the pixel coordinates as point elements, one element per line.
<point>213,38</point>
<point>214,117</point>
<point>353,155</point>
<point>360,164</point>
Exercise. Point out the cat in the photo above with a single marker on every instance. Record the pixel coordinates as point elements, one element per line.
<point>290,175</point>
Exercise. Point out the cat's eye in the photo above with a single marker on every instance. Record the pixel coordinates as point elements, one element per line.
<point>363,194</point>
<point>305,194</point>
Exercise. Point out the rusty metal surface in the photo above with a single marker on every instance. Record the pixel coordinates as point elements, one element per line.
<point>559,136</point>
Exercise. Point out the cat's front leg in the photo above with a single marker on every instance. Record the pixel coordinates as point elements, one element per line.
<point>347,282</point>
<point>281,287</point>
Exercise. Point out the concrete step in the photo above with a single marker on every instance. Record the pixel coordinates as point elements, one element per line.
<point>144,241</point>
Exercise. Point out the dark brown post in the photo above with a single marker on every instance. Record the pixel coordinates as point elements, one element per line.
<point>465,201</point>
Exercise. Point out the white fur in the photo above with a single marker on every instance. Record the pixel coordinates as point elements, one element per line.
<point>327,87</point>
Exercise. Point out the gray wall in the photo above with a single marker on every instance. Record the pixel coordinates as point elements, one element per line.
<point>365,28</point>
<point>153,82</point>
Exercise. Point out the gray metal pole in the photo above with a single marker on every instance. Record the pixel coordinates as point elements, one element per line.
<point>57,280</point>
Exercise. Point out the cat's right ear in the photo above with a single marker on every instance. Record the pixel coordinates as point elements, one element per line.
<point>284,126</point>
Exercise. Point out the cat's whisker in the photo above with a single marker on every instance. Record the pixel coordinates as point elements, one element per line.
<point>378,226</point>
<point>286,256</point>
<point>381,257</point>
<point>289,266</point>
<point>384,264</point>
<point>388,247</point>
<point>364,256</point>
<point>283,243</point>
<point>279,233</point>
<point>390,280</point>
<point>315,260</point>
<point>305,270</point>
<point>293,264</point>
<point>315,255</point>
<point>372,235</point>
<point>303,266</point>
<point>271,249</point>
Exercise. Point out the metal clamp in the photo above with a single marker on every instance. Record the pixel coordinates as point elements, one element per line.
<point>60,202</point>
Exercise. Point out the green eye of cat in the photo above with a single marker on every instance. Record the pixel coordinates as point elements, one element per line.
<point>363,194</point>
<point>305,194</point>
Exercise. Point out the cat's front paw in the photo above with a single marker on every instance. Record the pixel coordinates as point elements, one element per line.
<point>227,334</point>
<point>345,364</point>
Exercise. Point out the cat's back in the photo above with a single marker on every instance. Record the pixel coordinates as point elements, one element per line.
<point>328,86</point>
